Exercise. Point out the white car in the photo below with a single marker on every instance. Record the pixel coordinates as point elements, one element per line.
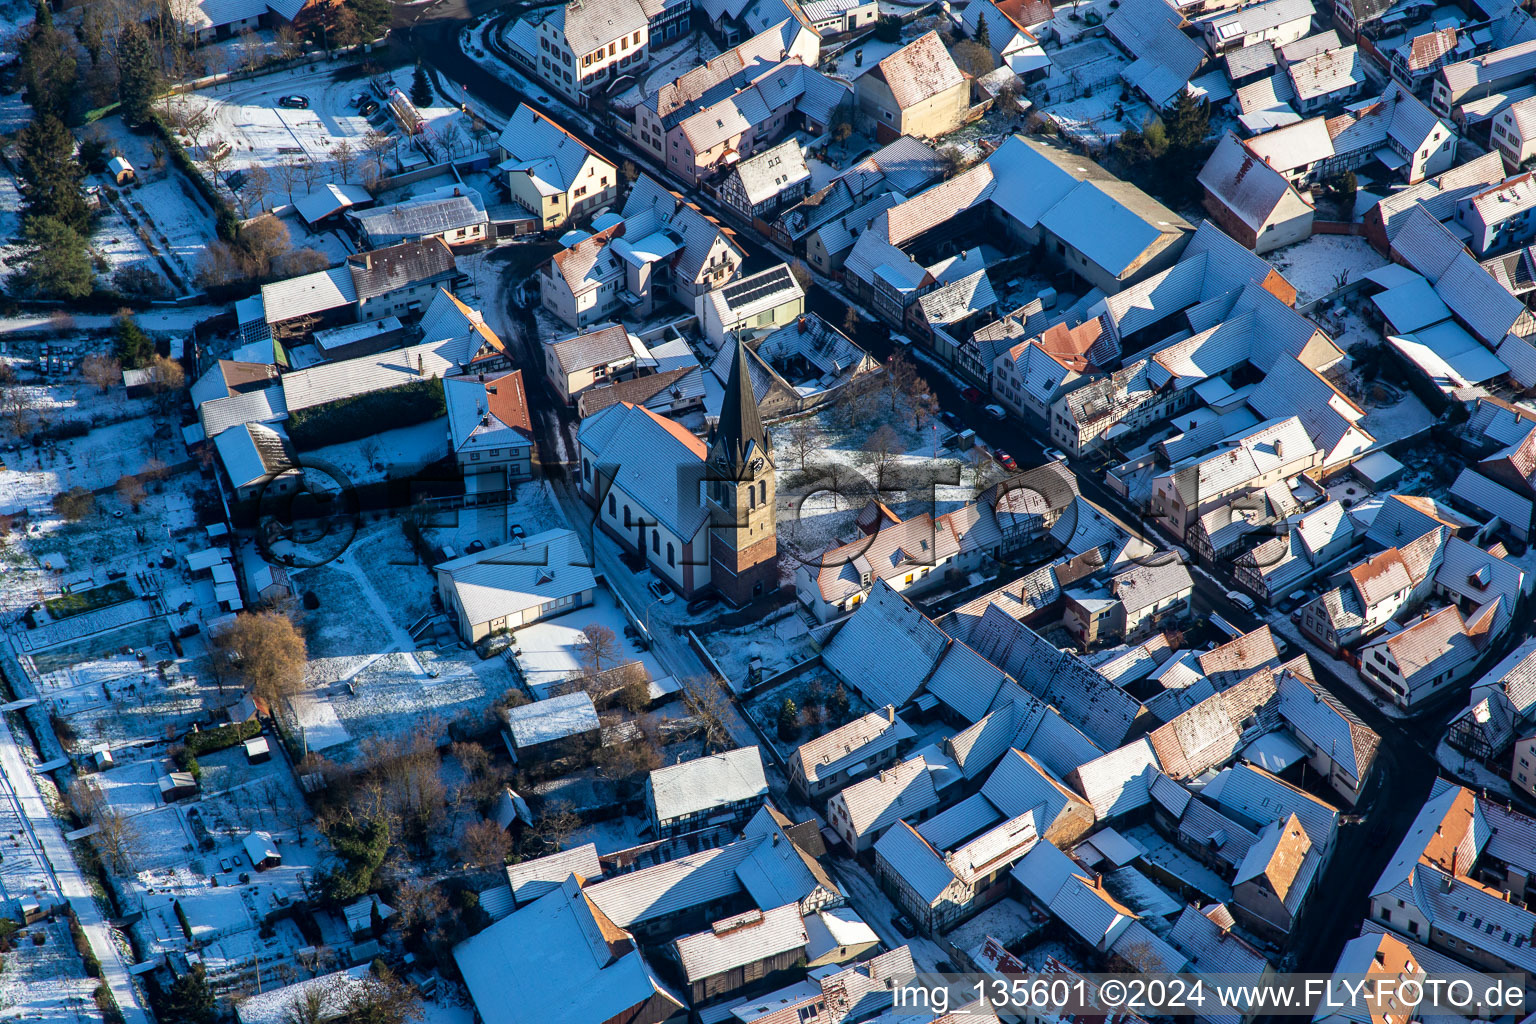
<point>997,412</point>
<point>1054,454</point>
<point>1241,600</point>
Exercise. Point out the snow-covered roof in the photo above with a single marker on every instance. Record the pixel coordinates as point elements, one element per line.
<point>563,958</point>
<point>530,879</point>
<point>657,463</point>
<point>550,156</point>
<point>545,721</point>
<point>1243,183</point>
<point>694,786</point>
<point>741,940</point>
<point>511,578</point>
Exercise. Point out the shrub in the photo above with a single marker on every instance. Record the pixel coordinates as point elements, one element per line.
<point>181,919</point>
<point>221,738</point>
<point>360,416</point>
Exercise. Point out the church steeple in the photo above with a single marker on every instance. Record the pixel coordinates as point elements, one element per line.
<point>739,437</point>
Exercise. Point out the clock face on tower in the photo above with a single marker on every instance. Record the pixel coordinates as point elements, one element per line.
<point>757,464</point>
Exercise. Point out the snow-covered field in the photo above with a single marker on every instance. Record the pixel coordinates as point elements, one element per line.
<point>45,982</point>
<point>784,642</point>
<point>97,459</point>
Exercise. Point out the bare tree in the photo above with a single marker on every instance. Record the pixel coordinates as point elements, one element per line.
<point>882,445</point>
<point>381,998</point>
<point>598,648</point>
<point>166,378</point>
<point>346,159</point>
<point>286,174</point>
<point>20,409</point>
<point>370,448</point>
<point>115,832</point>
<point>418,903</point>
<point>309,173</point>
<point>802,437</point>
<point>256,188</point>
<point>378,144</point>
<point>485,843</point>
<point>451,135</point>
<point>557,825</point>
<point>132,491</point>
<point>267,653</point>
<point>216,156</point>
<point>101,371</point>
<point>289,42</point>
<point>705,699</point>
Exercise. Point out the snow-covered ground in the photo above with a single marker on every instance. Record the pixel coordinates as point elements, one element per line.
<point>547,651</point>
<point>46,982</point>
<point>1325,263</point>
<point>781,643</point>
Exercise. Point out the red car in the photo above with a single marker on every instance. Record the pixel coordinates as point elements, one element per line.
<point>972,395</point>
<point>1004,459</point>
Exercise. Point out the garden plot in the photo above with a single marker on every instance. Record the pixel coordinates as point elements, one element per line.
<point>547,653</point>
<point>118,245</point>
<point>405,584</point>
<point>95,460</point>
<point>532,507</point>
<point>819,502</point>
<point>401,692</point>
<point>45,981</point>
<point>1324,263</point>
<point>166,205</point>
<point>813,693</point>
<point>783,642</point>
<point>120,701</point>
<point>402,452</point>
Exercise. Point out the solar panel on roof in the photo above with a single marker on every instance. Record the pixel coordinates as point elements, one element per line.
<point>756,287</point>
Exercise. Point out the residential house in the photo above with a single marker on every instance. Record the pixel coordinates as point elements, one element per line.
<point>1029,377</point>
<point>1074,896</point>
<point>602,354</point>
<point>577,49</point>
<point>662,247</point>
<point>907,791</point>
<point>1327,79</point>
<point>1416,61</point>
<point>1522,770</point>
<point>1163,59</point>
<point>1371,593</point>
<point>258,461</point>
<point>551,173</point>
<point>1502,706</point>
<point>786,50</point>
<point>765,301</point>
<point>750,950</point>
<point>801,366</point>
<point>1513,132</point>
<point>532,878</point>
<point>1276,22</point>
<point>391,282</point>
<point>1207,937</point>
<point>674,393</point>
<point>1397,130</point>
<point>918,91</point>
<point>556,727</point>
<point>203,21</point>
<point>1304,545</point>
<point>714,793</point>
<point>760,186</point>
<point>516,583</point>
<point>1435,651</point>
<point>1459,880</point>
<point>940,879</point>
<point>1439,194</point>
<point>1253,202</point>
<point>1456,84</point>
<point>562,935</point>
<point>848,753</point>
<point>1020,784</point>
<point>489,427</point>
<point>1500,218</point>
<point>1008,33</point>
<point>1274,878</point>
<point>1274,452</point>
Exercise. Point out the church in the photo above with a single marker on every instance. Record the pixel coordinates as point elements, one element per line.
<point>701,515</point>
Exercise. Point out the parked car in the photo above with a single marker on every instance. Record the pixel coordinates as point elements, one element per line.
<point>294,102</point>
<point>660,591</point>
<point>358,100</point>
<point>1054,454</point>
<point>700,605</point>
<point>952,422</point>
<point>995,411</point>
<point>972,395</point>
<point>369,109</point>
<point>904,926</point>
<point>1004,459</point>
<point>1241,600</point>
<point>517,532</point>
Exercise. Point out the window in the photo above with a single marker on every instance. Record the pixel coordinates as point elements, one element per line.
<point>656,541</point>
<point>626,517</point>
<point>612,511</point>
<point>586,469</point>
<point>763,492</point>
<point>637,39</point>
<point>586,61</point>
<point>612,49</point>
<point>669,554</point>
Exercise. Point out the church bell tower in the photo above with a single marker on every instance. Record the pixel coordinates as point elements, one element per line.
<point>739,488</point>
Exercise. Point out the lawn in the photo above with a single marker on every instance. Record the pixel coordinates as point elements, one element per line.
<point>83,601</point>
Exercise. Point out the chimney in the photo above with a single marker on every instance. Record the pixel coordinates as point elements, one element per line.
<point>1279,448</point>
<point>455,191</point>
<point>1098,880</point>
<point>890,713</point>
<point>802,324</point>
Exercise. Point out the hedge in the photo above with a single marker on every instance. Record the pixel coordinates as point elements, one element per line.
<point>362,415</point>
<point>221,738</point>
<point>78,602</point>
<point>228,223</point>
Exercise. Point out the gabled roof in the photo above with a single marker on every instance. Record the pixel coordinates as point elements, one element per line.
<point>740,941</point>
<point>919,71</point>
<point>633,443</point>
<point>1320,719</point>
<point>564,957</point>
<point>1244,183</point>
<point>381,271</point>
<point>510,578</point>
<point>538,147</point>
<point>901,791</point>
<point>702,783</point>
<point>1164,59</point>
<point>849,744</point>
<point>487,412</point>
<point>887,649</point>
